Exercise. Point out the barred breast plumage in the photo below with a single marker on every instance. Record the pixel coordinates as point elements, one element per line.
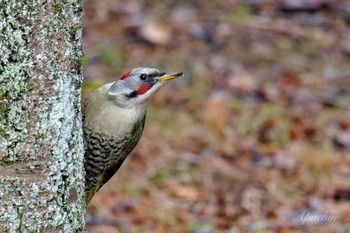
<point>104,154</point>
<point>110,134</point>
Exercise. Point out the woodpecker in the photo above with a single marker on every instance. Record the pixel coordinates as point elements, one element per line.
<point>113,120</point>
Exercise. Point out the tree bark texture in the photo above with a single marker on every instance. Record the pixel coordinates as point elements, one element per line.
<point>41,145</point>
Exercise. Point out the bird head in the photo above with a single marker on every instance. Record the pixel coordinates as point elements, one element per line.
<point>135,86</point>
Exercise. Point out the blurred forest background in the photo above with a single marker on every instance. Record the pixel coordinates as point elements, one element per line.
<point>252,139</point>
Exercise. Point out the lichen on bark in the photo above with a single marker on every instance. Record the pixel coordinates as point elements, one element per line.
<point>41,152</point>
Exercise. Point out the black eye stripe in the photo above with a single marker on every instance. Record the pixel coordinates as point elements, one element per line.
<point>152,75</point>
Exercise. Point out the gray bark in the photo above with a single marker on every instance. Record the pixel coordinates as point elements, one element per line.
<point>41,152</point>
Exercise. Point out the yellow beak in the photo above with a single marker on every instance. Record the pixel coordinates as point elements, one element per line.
<point>169,76</point>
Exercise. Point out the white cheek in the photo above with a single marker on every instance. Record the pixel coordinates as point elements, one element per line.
<point>133,83</point>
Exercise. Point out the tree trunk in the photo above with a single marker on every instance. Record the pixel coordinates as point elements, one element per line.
<point>41,150</point>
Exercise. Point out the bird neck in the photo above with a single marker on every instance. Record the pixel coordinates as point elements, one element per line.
<point>103,115</point>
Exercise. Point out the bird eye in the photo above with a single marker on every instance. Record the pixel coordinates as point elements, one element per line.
<point>143,76</point>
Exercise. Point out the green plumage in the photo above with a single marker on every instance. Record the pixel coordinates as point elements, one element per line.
<point>104,154</point>
<point>106,150</point>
